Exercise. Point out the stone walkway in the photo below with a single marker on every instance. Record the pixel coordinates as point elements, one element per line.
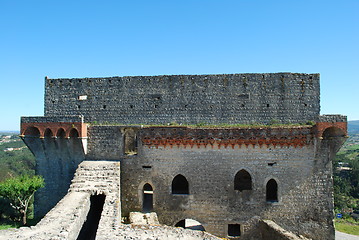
<point>344,236</point>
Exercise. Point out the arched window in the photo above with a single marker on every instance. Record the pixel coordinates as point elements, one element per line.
<point>74,133</point>
<point>242,181</point>
<point>61,133</point>
<point>48,133</point>
<point>180,185</point>
<point>32,131</point>
<point>190,224</point>
<point>147,204</point>
<point>272,191</point>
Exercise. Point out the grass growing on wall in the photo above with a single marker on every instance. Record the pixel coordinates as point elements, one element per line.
<point>206,125</point>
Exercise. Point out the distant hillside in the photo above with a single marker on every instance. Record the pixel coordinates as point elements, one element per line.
<point>15,158</point>
<point>9,133</point>
<point>353,127</point>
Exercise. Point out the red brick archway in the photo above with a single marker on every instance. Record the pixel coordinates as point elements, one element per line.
<point>50,129</point>
<point>322,126</point>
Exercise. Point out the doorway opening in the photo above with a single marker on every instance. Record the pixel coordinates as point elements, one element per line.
<point>234,230</point>
<point>272,191</point>
<point>147,205</point>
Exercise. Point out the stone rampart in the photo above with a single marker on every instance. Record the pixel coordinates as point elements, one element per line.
<point>226,137</point>
<point>62,222</point>
<point>54,129</point>
<point>65,221</point>
<point>297,158</point>
<point>56,160</point>
<point>188,99</point>
<point>272,231</point>
<point>332,118</point>
<point>66,119</point>
<point>210,159</point>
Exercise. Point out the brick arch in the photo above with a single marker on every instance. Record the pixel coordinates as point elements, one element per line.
<point>61,133</point>
<point>48,133</point>
<point>73,133</point>
<point>32,131</point>
<point>333,132</point>
<point>340,127</point>
<point>45,127</point>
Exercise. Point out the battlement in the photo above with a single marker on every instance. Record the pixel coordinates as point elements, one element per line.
<point>226,137</point>
<point>61,126</point>
<point>187,99</point>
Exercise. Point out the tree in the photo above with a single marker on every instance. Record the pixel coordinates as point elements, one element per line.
<point>19,191</point>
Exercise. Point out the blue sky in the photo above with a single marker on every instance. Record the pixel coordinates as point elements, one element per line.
<point>124,38</point>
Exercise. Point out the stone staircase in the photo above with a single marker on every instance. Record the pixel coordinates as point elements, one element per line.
<point>101,177</point>
<point>97,177</point>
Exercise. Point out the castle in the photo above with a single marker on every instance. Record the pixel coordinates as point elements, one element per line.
<point>225,150</point>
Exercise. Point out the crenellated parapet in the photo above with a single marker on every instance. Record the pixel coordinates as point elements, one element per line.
<point>227,137</point>
<point>59,145</point>
<point>337,123</point>
<point>64,127</point>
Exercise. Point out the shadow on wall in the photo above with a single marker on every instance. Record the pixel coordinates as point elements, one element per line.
<point>89,229</point>
<point>57,158</point>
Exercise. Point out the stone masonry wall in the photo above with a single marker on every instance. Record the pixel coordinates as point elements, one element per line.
<point>66,219</point>
<point>272,231</point>
<point>296,157</point>
<point>304,182</point>
<point>106,142</point>
<point>231,98</point>
<point>56,160</point>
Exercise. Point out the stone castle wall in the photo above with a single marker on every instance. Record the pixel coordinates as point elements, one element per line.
<point>56,160</point>
<point>188,99</point>
<point>297,158</point>
<point>209,159</point>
